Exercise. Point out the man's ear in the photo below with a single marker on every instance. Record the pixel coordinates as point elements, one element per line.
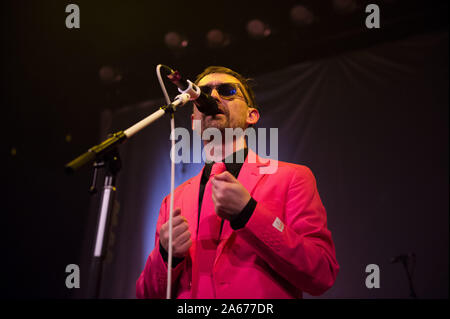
<point>252,116</point>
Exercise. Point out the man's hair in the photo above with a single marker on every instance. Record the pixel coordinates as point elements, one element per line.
<point>248,94</point>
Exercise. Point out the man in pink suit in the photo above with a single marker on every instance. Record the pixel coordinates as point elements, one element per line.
<point>241,230</point>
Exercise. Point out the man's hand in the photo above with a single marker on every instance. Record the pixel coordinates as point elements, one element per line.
<point>181,236</point>
<point>229,195</point>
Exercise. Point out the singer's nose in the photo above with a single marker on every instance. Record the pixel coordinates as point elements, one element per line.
<point>215,94</point>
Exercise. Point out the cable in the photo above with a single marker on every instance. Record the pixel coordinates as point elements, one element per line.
<point>172,178</point>
<point>161,82</point>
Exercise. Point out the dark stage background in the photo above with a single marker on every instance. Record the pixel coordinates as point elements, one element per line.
<point>367,112</point>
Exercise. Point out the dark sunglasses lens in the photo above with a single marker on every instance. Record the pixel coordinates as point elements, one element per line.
<point>226,90</point>
<point>206,89</point>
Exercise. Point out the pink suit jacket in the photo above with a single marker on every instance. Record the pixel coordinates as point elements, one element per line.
<point>284,249</point>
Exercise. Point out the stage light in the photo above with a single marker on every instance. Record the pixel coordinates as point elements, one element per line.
<point>175,41</point>
<point>216,38</point>
<point>301,15</point>
<point>109,75</point>
<point>344,6</point>
<point>257,29</point>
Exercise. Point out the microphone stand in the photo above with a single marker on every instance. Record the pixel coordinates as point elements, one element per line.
<point>112,164</point>
<point>406,260</point>
<point>412,292</point>
<point>106,155</point>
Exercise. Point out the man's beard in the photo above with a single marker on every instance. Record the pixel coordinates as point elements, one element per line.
<point>222,121</point>
<point>219,121</point>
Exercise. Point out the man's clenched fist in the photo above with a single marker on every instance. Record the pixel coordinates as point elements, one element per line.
<point>181,236</point>
<point>229,195</point>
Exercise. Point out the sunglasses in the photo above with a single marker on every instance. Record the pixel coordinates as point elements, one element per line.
<point>225,90</point>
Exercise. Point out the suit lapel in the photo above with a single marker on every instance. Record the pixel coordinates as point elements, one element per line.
<point>190,207</point>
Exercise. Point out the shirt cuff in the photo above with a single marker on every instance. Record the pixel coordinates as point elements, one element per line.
<point>243,217</point>
<point>165,256</point>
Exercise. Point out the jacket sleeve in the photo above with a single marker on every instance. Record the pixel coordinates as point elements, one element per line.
<point>152,283</point>
<point>299,247</point>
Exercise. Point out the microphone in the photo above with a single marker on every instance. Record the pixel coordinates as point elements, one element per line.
<point>205,103</point>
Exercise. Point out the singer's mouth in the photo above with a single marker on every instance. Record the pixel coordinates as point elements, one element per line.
<point>219,111</point>
<point>216,116</point>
